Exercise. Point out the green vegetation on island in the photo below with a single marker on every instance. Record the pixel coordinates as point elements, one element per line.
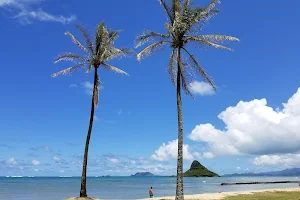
<point>198,170</point>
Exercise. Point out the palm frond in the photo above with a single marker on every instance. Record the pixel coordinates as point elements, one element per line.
<point>78,43</point>
<point>167,9</point>
<point>179,24</point>
<point>170,30</point>
<point>176,7</point>
<point>113,35</point>
<point>89,68</point>
<point>197,17</point>
<point>218,38</point>
<point>69,56</point>
<point>185,82</point>
<point>113,52</point>
<point>148,50</point>
<point>172,67</point>
<point>200,70</point>
<point>68,70</point>
<point>102,36</point>
<point>148,36</point>
<point>211,6</point>
<point>115,69</point>
<point>186,5</point>
<point>183,75</point>
<point>207,43</point>
<point>86,37</point>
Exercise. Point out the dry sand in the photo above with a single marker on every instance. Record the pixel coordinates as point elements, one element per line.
<point>221,195</point>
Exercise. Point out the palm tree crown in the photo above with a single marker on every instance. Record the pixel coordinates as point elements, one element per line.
<point>97,53</point>
<point>184,24</point>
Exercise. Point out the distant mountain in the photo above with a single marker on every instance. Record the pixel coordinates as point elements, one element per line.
<point>143,174</point>
<point>286,172</point>
<point>198,170</point>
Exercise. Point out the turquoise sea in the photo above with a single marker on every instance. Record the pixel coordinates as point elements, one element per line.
<point>58,188</point>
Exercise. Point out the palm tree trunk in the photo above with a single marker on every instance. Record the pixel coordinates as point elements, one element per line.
<point>179,185</point>
<point>88,137</point>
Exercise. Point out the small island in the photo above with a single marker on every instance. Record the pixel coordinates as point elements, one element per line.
<point>198,170</point>
<point>143,174</point>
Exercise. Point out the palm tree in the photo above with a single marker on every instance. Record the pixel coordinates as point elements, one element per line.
<point>185,22</point>
<point>97,54</point>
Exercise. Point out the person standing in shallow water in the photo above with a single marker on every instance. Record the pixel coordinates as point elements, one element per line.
<point>151,192</point>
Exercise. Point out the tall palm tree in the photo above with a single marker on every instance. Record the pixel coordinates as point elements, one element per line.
<point>184,25</point>
<point>97,54</point>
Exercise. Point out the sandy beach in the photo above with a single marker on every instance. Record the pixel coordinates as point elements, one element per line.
<point>221,195</point>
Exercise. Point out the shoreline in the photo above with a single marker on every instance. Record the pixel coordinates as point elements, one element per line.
<point>221,195</point>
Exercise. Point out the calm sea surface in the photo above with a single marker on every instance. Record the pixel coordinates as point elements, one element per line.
<point>58,188</point>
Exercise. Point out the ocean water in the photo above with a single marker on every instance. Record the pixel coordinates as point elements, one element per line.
<point>59,188</point>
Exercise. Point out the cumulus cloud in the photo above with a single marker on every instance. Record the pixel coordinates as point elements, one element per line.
<point>201,88</point>
<point>113,160</point>
<point>12,161</point>
<point>254,128</point>
<point>29,10</point>
<point>35,162</point>
<point>55,158</point>
<point>169,151</point>
<point>286,160</point>
<point>208,155</point>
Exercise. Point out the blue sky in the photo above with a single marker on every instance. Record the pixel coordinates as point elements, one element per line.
<point>43,121</point>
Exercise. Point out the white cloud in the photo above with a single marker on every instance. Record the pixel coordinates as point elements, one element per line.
<point>27,12</point>
<point>238,168</point>
<point>61,171</point>
<point>133,162</point>
<point>5,2</point>
<point>208,155</point>
<point>73,86</point>
<point>40,15</point>
<point>35,162</point>
<point>113,160</point>
<point>169,151</point>
<point>284,161</point>
<point>201,88</point>
<point>36,170</point>
<point>12,161</point>
<point>197,155</point>
<point>88,86</point>
<point>55,158</point>
<point>254,128</point>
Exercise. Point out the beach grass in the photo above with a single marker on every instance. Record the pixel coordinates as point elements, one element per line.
<point>267,196</point>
